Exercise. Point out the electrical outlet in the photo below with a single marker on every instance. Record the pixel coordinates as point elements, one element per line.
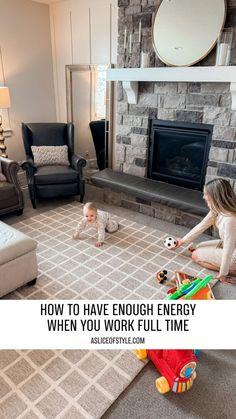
<point>92,163</point>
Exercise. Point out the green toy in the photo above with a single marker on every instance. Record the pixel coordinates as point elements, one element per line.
<point>201,284</point>
<point>188,290</point>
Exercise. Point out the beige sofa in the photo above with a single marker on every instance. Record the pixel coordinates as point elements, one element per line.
<point>18,262</point>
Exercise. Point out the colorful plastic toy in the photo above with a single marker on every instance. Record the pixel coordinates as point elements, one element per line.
<point>197,289</point>
<point>161,276</point>
<point>177,368</point>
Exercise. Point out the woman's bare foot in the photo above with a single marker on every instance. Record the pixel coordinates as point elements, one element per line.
<point>228,280</point>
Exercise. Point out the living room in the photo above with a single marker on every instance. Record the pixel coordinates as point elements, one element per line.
<point>45,47</point>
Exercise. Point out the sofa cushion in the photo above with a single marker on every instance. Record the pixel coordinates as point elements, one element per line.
<point>50,155</point>
<point>13,243</point>
<point>55,175</point>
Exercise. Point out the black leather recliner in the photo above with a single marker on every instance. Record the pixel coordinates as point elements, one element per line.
<point>52,181</point>
<point>98,132</point>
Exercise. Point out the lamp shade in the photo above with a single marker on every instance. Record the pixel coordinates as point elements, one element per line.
<point>4,98</point>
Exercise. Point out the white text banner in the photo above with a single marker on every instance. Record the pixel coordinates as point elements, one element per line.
<point>117,324</point>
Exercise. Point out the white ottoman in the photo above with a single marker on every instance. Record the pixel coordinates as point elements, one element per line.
<point>18,263</point>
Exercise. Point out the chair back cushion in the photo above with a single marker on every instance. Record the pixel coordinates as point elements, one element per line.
<point>50,155</point>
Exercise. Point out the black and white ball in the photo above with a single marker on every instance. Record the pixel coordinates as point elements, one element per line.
<point>170,242</point>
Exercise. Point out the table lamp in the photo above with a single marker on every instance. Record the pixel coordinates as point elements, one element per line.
<point>5,103</point>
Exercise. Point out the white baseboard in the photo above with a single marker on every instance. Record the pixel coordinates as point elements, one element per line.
<point>92,163</point>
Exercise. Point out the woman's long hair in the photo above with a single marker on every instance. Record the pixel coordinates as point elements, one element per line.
<point>223,198</point>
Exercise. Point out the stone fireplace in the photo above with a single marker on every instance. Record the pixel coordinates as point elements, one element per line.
<point>206,103</point>
<point>202,103</point>
<point>194,102</point>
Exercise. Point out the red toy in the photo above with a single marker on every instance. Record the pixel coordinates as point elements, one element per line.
<point>177,368</point>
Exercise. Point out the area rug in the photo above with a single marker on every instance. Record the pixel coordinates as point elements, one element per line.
<point>76,384</point>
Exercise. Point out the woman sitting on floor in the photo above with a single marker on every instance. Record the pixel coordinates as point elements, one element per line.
<point>217,255</point>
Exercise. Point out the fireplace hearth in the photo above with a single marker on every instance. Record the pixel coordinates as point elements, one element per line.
<point>178,152</point>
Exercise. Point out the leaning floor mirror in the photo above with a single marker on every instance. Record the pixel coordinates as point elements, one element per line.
<point>89,107</point>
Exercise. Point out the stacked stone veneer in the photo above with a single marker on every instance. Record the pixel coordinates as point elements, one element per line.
<point>193,102</point>
<point>208,103</point>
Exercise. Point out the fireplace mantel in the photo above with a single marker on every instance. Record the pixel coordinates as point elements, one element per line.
<point>131,76</point>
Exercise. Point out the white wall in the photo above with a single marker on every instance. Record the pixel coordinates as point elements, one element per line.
<point>25,44</point>
<point>83,32</point>
<point>36,46</point>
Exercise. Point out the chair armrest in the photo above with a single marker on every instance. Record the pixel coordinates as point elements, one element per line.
<point>30,169</point>
<point>78,163</point>
<point>10,169</point>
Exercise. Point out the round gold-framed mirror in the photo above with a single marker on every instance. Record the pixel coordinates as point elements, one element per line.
<point>185,31</point>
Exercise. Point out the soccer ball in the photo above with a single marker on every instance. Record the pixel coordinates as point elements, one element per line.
<point>170,242</point>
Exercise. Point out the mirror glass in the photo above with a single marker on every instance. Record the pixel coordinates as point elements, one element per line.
<point>88,107</point>
<point>185,31</point>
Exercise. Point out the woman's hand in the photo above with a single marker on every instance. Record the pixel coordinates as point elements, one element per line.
<point>226,279</point>
<point>180,242</point>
